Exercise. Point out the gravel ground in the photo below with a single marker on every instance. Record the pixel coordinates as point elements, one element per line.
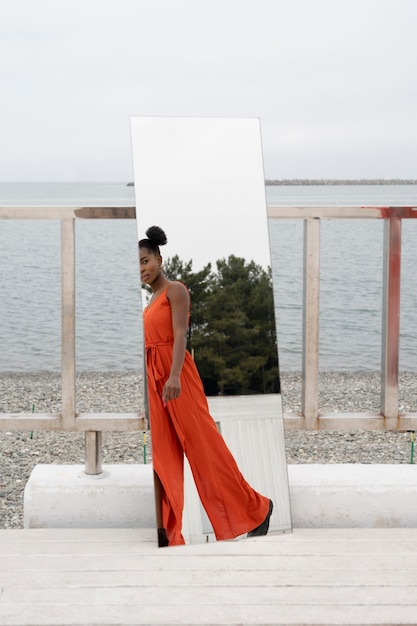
<point>122,392</point>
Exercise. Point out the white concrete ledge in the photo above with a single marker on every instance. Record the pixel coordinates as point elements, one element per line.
<point>63,496</point>
<point>353,496</point>
<point>322,496</point>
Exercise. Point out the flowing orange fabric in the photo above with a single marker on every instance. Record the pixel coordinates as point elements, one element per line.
<point>185,426</point>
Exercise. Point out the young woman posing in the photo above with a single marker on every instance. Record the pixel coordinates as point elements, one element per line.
<point>180,419</point>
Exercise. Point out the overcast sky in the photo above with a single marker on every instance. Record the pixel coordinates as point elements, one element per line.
<point>332,81</point>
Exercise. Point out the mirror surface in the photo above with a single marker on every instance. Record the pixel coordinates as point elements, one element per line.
<point>202,181</point>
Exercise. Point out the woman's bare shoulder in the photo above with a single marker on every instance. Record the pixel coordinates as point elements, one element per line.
<point>177,290</point>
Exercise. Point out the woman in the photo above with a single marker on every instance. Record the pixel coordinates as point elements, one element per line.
<point>180,419</point>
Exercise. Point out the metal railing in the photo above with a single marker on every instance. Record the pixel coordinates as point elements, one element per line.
<point>389,416</point>
<point>68,419</point>
<point>309,418</point>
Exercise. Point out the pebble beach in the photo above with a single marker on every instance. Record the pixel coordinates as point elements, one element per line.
<point>123,392</point>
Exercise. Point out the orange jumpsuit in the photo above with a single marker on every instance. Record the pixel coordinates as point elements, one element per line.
<point>185,425</point>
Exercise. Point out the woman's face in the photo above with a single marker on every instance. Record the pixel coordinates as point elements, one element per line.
<point>150,266</point>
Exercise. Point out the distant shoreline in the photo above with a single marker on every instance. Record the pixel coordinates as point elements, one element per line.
<point>288,182</point>
<point>339,181</point>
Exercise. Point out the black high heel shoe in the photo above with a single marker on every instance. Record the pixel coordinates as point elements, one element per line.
<point>162,538</point>
<point>263,528</point>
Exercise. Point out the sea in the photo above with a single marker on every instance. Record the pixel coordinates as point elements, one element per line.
<point>109,296</point>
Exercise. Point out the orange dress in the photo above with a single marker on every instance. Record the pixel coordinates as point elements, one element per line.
<point>185,426</point>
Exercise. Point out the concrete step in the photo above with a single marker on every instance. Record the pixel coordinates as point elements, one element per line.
<point>105,577</point>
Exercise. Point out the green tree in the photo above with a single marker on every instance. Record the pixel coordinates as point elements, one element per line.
<point>235,345</point>
<point>232,325</point>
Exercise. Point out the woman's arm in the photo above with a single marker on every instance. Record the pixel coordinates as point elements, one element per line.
<point>179,300</point>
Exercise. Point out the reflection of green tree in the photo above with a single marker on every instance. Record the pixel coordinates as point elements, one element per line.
<point>232,325</point>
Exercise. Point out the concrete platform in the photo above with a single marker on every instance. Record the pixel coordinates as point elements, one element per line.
<point>321,496</point>
<point>63,496</point>
<point>68,577</point>
<point>353,496</point>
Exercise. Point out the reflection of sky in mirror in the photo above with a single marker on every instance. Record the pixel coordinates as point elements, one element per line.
<point>202,181</point>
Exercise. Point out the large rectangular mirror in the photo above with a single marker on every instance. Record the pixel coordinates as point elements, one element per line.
<point>202,181</point>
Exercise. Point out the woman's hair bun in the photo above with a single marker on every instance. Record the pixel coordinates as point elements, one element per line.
<point>156,235</point>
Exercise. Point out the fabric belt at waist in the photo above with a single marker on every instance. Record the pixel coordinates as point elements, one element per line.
<point>154,365</point>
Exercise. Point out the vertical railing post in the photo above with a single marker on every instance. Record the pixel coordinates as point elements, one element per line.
<point>93,459</point>
<point>93,454</point>
<point>391,319</point>
<point>311,312</point>
<point>68,322</point>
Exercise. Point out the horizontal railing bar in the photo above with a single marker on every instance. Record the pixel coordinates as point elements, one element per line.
<point>133,422</point>
<point>340,212</point>
<point>84,421</point>
<point>29,421</point>
<point>350,422</point>
<point>106,213</point>
<point>280,212</point>
<point>337,421</point>
<point>111,421</point>
<point>66,212</point>
<point>346,421</point>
